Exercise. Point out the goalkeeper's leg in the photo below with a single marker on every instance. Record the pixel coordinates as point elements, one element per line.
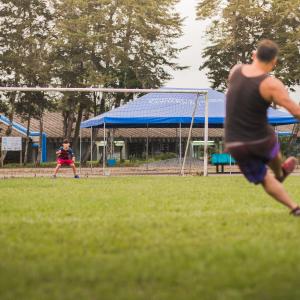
<point>56,170</point>
<point>74,170</point>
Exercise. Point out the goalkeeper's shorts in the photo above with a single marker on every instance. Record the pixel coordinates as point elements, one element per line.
<point>67,162</point>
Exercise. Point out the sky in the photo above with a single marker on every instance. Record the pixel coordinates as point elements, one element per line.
<point>194,36</point>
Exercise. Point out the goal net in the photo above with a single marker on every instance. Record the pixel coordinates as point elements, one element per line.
<point>164,130</point>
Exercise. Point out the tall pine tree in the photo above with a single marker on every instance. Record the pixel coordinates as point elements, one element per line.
<point>236,28</point>
<point>24,50</point>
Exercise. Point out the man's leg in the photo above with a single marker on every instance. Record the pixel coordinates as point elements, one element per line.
<point>56,169</point>
<point>275,189</point>
<point>282,169</point>
<point>276,166</point>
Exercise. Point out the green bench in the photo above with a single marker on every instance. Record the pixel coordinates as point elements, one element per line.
<point>222,159</point>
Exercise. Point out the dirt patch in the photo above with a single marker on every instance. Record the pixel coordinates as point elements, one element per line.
<point>124,171</point>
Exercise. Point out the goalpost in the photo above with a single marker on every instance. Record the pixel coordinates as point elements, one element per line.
<point>135,92</point>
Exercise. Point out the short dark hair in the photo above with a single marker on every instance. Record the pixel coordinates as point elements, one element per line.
<point>267,50</point>
<point>66,141</point>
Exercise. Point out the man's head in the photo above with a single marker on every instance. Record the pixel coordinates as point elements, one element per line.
<point>66,144</point>
<point>267,53</point>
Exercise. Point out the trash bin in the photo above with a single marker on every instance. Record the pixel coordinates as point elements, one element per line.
<point>111,162</point>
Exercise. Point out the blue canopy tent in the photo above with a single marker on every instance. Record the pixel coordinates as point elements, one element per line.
<point>171,109</point>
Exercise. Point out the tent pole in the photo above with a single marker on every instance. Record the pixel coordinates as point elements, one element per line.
<point>104,145</point>
<point>112,143</point>
<point>80,150</point>
<point>190,134</point>
<point>92,150</point>
<point>205,171</point>
<point>147,148</point>
<point>180,145</point>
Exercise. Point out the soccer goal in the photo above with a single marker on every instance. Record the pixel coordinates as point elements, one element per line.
<point>179,109</point>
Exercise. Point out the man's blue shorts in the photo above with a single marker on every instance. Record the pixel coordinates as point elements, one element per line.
<point>253,157</point>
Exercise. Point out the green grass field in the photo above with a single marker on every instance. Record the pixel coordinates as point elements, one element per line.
<point>215,238</point>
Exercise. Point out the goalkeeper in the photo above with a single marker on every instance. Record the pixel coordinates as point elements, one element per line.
<point>65,156</point>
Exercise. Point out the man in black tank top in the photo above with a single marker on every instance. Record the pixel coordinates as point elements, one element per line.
<point>248,136</point>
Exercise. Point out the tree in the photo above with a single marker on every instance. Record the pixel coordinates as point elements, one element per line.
<point>72,60</point>
<point>27,110</point>
<point>25,27</point>
<point>121,44</point>
<point>283,26</point>
<point>237,27</point>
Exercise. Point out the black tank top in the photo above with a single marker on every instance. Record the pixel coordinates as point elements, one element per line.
<point>246,110</point>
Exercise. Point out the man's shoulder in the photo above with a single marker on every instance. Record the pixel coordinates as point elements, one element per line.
<point>237,66</point>
<point>234,69</point>
<point>272,82</point>
<point>269,88</point>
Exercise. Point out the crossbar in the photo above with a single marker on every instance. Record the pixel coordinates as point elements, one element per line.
<point>103,90</point>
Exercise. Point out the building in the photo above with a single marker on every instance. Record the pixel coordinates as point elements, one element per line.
<point>123,143</point>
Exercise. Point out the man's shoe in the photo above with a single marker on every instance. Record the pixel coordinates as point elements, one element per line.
<point>53,176</point>
<point>288,167</point>
<point>76,176</point>
<point>295,212</point>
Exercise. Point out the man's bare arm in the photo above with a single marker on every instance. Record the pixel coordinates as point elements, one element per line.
<point>273,89</point>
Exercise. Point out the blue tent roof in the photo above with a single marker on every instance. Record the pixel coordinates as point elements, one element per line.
<point>171,109</point>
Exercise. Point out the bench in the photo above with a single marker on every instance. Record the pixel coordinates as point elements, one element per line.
<point>222,159</point>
